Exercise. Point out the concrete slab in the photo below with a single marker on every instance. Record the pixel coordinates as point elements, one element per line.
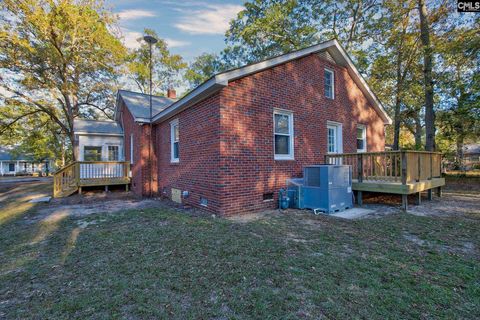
<point>41,199</point>
<point>354,213</point>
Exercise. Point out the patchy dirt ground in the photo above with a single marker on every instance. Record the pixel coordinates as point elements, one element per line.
<point>459,198</point>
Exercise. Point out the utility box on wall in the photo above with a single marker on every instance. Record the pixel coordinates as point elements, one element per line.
<point>326,188</point>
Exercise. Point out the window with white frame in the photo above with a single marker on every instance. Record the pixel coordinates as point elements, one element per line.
<point>361,138</point>
<point>283,135</point>
<point>92,153</point>
<point>334,137</point>
<point>174,141</point>
<point>329,84</point>
<point>112,153</point>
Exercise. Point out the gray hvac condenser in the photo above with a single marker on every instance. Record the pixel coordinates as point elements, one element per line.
<point>326,188</point>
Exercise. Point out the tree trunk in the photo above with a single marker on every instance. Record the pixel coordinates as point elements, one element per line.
<point>418,133</point>
<point>396,116</point>
<point>427,75</point>
<point>459,142</point>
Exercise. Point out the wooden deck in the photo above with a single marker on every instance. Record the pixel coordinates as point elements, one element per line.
<point>397,172</point>
<point>76,175</point>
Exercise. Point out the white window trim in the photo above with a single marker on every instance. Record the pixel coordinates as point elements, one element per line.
<point>364,137</point>
<point>172,125</point>
<point>333,83</point>
<point>131,148</point>
<point>339,131</point>
<point>291,155</point>
<point>108,145</point>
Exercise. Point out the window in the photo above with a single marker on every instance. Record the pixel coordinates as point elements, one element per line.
<point>283,135</point>
<point>112,153</point>
<point>92,153</point>
<point>203,201</point>
<point>174,141</point>
<point>131,148</point>
<point>11,167</point>
<point>334,137</point>
<point>361,138</point>
<point>329,87</point>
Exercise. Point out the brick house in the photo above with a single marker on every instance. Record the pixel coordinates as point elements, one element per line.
<point>229,145</point>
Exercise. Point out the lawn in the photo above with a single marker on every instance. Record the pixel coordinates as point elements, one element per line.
<point>164,263</point>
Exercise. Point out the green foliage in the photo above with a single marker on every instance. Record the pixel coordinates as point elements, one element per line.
<point>459,84</point>
<point>166,70</point>
<point>59,58</point>
<point>267,28</point>
<point>202,68</point>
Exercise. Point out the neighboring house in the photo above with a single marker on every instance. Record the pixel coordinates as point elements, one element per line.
<point>21,164</point>
<point>471,156</point>
<point>229,145</point>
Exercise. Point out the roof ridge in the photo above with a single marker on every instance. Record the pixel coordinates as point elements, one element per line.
<point>144,94</point>
<point>97,120</point>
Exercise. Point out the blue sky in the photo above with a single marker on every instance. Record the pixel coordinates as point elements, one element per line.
<point>189,27</point>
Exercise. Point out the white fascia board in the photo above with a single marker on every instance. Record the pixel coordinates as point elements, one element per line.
<point>362,84</point>
<point>221,80</point>
<point>203,91</point>
<point>83,133</point>
<point>263,65</point>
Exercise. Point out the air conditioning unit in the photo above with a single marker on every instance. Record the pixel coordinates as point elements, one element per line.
<point>325,188</point>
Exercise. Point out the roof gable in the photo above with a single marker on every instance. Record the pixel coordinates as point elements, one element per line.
<point>331,49</point>
<point>107,127</point>
<point>139,104</point>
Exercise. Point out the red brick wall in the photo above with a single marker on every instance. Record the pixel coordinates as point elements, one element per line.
<point>247,165</point>
<point>197,171</point>
<point>140,167</point>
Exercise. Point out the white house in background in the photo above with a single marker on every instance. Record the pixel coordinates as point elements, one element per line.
<point>98,140</point>
<point>11,164</point>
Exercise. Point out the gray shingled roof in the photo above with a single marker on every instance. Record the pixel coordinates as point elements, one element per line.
<point>6,154</point>
<point>472,148</point>
<point>97,126</point>
<point>139,104</point>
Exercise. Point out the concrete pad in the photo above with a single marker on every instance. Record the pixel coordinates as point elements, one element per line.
<point>41,199</point>
<point>353,213</point>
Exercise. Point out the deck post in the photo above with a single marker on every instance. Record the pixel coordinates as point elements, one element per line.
<point>359,198</point>
<point>431,167</point>
<point>419,171</point>
<point>418,198</point>
<point>106,188</point>
<point>80,190</point>
<point>360,168</point>
<point>126,188</point>
<point>403,158</point>
<point>439,192</point>
<point>429,194</point>
<point>404,202</point>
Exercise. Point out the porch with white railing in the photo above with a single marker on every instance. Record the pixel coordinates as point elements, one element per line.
<point>80,174</point>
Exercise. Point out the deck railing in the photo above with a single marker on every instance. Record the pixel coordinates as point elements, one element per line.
<point>396,166</point>
<point>89,173</point>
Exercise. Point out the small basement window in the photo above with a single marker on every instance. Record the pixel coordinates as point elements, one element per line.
<point>203,201</point>
<point>268,196</point>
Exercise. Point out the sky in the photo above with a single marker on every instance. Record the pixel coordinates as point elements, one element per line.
<point>189,27</point>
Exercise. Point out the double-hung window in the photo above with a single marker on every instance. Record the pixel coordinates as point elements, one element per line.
<point>283,135</point>
<point>174,141</point>
<point>329,84</point>
<point>361,138</point>
<point>112,153</point>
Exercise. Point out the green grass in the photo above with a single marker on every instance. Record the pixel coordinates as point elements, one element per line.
<point>160,263</point>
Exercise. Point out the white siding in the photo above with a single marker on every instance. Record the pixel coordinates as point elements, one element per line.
<point>100,141</point>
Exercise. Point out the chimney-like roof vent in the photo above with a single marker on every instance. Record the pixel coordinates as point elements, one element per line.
<point>171,93</point>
